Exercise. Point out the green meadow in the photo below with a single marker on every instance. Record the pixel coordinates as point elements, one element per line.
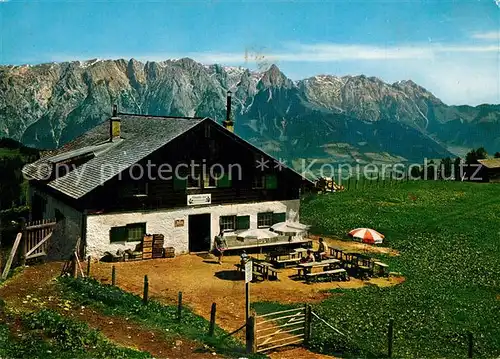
<point>448,236</point>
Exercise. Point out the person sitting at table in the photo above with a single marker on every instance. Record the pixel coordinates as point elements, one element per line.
<point>308,258</point>
<point>244,258</point>
<point>322,252</point>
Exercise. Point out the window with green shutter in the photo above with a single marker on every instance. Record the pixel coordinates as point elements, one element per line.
<point>243,222</point>
<point>179,184</point>
<point>271,182</point>
<point>279,217</point>
<point>136,232</point>
<point>130,233</point>
<point>224,182</point>
<point>227,223</point>
<point>118,234</point>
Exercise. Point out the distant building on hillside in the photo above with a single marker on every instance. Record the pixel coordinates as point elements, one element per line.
<point>490,169</point>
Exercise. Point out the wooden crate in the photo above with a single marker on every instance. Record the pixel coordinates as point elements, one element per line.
<point>147,255</point>
<point>147,250</point>
<point>158,253</point>
<point>169,252</point>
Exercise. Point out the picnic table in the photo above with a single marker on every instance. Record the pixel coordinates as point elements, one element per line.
<point>330,268</point>
<point>380,269</point>
<point>300,251</point>
<point>260,269</point>
<point>284,259</point>
<point>336,252</point>
<point>267,270</point>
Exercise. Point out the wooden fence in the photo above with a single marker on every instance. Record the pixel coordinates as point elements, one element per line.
<point>35,238</point>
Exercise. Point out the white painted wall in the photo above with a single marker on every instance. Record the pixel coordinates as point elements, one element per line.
<point>162,222</point>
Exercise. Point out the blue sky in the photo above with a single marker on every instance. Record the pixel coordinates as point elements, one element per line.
<point>450,47</point>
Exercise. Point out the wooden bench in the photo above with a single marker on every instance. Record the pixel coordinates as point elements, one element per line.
<point>285,262</point>
<point>330,274</point>
<point>363,271</point>
<point>257,275</point>
<point>266,269</point>
<point>382,269</point>
<point>261,270</point>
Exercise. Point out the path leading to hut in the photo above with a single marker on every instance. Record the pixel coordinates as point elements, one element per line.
<point>35,287</point>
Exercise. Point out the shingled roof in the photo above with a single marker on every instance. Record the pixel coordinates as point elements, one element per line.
<point>140,136</point>
<point>490,162</point>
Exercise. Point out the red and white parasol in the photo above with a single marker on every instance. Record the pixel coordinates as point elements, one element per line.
<point>367,235</point>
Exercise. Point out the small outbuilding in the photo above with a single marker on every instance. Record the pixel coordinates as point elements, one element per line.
<point>490,169</point>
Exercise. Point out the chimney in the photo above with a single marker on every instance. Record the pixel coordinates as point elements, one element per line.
<point>228,123</point>
<point>114,125</point>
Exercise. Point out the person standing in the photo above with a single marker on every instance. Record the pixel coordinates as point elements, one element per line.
<point>219,245</point>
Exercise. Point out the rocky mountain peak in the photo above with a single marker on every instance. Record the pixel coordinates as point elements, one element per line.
<point>273,77</point>
<point>47,105</point>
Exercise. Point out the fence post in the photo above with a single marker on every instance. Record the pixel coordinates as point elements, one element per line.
<point>307,324</point>
<point>179,307</point>
<point>113,276</point>
<point>349,184</point>
<point>471,344</point>
<point>390,337</point>
<point>88,266</point>
<point>74,266</point>
<point>24,242</point>
<point>250,335</point>
<point>211,331</point>
<point>146,290</point>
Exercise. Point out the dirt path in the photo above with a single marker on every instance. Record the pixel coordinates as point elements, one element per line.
<point>127,334</point>
<point>34,288</point>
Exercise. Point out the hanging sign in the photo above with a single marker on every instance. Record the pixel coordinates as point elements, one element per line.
<point>196,199</point>
<point>248,271</point>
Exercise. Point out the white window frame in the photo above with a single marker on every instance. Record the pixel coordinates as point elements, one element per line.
<point>233,216</point>
<point>270,219</point>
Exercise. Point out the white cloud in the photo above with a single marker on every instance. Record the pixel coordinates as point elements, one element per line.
<point>341,52</point>
<point>491,35</point>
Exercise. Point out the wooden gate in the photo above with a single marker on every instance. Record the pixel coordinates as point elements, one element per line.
<point>35,238</point>
<point>279,329</point>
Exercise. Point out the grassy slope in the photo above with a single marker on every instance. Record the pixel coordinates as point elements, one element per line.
<point>46,334</point>
<point>449,241</point>
<point>112,300</point>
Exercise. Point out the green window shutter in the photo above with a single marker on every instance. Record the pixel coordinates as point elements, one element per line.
<point>224,182</point>
<point>243,222</point>
<point>279,217</point>
<point>136,232</point>
<point>271,182</point>
<point>118,234</point>
<point>179,184</point>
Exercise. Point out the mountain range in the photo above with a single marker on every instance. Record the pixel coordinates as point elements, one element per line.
<point>332,119</point>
